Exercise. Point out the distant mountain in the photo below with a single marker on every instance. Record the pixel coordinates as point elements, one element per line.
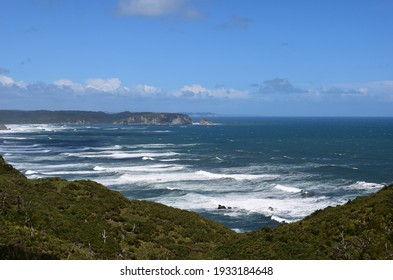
<point>90,117</point>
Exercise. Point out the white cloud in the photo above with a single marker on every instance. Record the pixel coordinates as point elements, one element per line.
<point>157,8</point>
<point>196,91</point>
<point>108,85</point>
<point>8,81</point>
<point>64,83</point>
<point>148,91</point>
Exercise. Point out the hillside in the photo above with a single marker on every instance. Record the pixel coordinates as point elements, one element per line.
<point>59,219</point>
<point>89,117</point>
<point>360,229</point>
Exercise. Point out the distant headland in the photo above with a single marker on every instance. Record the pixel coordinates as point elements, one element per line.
<point>91,117</point>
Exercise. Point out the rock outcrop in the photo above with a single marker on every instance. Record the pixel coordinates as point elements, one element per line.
<point>90,117</point>
<point>156,119</point>
<point>204,121</point>
<point>3,127</point>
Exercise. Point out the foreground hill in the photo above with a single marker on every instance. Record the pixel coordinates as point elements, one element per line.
<point>360,229</point>
<point>59,219</point>
<point>88,117</point>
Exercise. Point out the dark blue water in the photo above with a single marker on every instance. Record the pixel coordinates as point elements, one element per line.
<point>267,170</point>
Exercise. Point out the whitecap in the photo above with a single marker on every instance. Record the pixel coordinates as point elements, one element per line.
<point>99,168</point>
<point>281,220</point>
<point>362,185</point>
<point>148,158</point>
<point>287,189</point>
<point>120,155</point>
<point>239,177</point>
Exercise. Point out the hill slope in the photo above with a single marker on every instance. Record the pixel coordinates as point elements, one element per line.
<point>58,219</point>
<point>360,229</point>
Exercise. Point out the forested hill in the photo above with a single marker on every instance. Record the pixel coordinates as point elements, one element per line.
<point>58,219</point>
<point>90,117</point>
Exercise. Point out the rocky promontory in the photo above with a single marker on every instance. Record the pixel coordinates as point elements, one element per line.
<point>92,117</point>
<point>156,119</point>
<point>204,121</point>
<point>3,127</point>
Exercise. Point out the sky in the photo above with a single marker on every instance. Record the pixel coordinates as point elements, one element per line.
<point>230,57</point>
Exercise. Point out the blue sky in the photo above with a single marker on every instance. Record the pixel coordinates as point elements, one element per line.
<point>250,57</point>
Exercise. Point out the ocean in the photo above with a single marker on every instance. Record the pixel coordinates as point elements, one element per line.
<point>263,170</point>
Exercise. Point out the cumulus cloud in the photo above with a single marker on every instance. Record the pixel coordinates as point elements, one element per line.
<point>102,85</point>
<point>8,81</point>
<point>195,91</point>
<point>157,8</point>
<point>64,83</point>
<point>148,91</point>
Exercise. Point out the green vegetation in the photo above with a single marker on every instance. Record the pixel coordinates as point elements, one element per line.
<point>58,219</point>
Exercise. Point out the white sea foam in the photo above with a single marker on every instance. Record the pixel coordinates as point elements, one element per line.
<point>99,168</point>
<point>281,220</point>
<point>70,172</point>
<point>120,155</point>
<point>12,137</point>
<point>280,209</point>
<point>362,185</point>
<point>16,128</point>
<point>148,158</point>
<point>287,189</point>
<point>238,177</point>
<point>141,168</point>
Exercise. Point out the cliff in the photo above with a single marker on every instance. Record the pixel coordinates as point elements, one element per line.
<point>90,117</point>
<point>59,219</point>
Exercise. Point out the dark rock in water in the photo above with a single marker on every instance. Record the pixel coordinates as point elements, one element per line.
<point>3,127</point>
<point>221,207</point>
